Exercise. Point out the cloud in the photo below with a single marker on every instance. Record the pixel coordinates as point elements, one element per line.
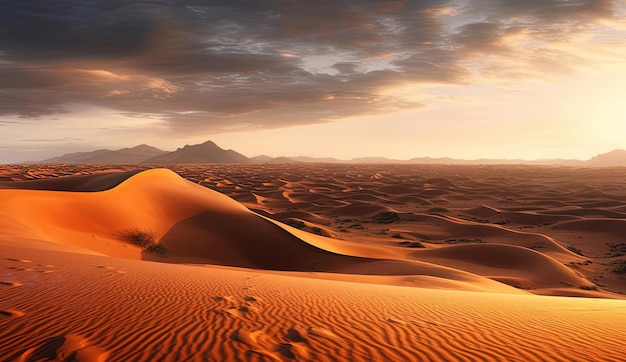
<point>64,139</point>
<point>73,29</point>
<point>3,122</point>
<point>225,65</point>
<point>545,11</point>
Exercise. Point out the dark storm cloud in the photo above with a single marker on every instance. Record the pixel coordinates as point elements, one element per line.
<point>74,29</point>
<point>203,64</point>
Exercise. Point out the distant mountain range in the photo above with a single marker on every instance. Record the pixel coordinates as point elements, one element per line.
<point>209,152</point>
<point>136,154</point>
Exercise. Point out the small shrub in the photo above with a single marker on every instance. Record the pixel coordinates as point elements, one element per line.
<point>357,226</point>
<point>621,268</point>
<point>587,287</point>
<point>411,244</point>
<point>463,241</point>
<point>146,239</point>
<point>157,249</point>
<point>386,217</point>
<point>295,223</point>
<point>575,250</point>
<point>319,231</point>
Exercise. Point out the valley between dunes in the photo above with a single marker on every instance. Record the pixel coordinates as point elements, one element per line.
<point>312,262</point>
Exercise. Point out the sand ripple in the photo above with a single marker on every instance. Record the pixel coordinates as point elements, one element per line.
<point>174,312</point>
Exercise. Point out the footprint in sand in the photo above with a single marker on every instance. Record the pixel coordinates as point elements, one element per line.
<point>105,267</point>
<point>322,332</point>
<point>11,284</point>
<point>294,335</point>
<point>7,313</point>
<point>236,308</point>
<point>296,346</point>
<point>111,269</point>
<point>251,338</point>
<point>38,268</point>
<point>225,298</point>
<point>258,342</point>
<point>40,271</point>
<point>71,347</point>
<point>297,351</point>
<point>242,311</point>
<point>19,260</point>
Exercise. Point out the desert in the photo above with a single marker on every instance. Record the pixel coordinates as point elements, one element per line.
<point>289,180</point>
<point>312,262</point>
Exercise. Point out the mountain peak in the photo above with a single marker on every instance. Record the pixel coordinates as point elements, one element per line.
<point>207,152</point>
<point>142,146</point>
<point>616,157</point>
<point>209,143</point>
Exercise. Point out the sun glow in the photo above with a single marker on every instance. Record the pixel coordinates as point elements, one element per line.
<point>603,110</point>
<point>608,120</point>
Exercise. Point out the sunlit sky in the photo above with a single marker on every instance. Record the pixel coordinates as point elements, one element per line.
<point>465,79</point>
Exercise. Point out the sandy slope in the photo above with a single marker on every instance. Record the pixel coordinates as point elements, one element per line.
<point>129,310</point>
<point>73,286</point>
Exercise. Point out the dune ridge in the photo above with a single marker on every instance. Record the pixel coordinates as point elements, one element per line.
<point>195,225</point>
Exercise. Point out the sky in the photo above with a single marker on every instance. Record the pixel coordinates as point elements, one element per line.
<point>398,78</point>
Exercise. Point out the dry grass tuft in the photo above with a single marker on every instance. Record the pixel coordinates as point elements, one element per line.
<point>145,238</point>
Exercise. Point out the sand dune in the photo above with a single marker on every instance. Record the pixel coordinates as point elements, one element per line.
<point>609,226</point>
<point>290,267</point>
<point>520,217</point>
<point>500,262</point>
<point>83,183</point>
<point>194,225</point>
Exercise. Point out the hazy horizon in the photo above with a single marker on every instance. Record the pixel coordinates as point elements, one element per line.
<point>465,79</point>
<point>325,157</point>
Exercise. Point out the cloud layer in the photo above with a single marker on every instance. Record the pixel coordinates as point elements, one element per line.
<point>215,66</point>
